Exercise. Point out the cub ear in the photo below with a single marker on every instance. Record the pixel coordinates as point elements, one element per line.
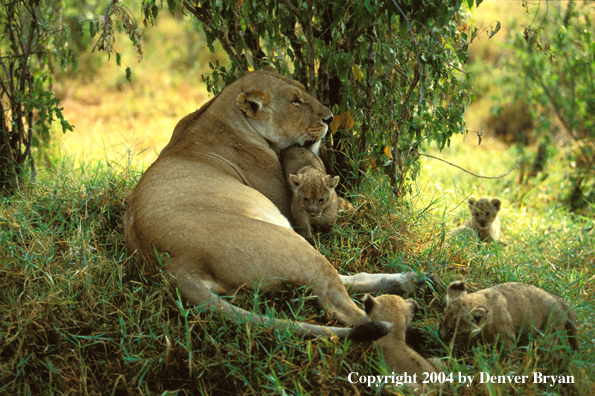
<point>331,182</point>
<point>412,307</point>
<point>479,315</point>
<point>496,204</point>
<point>252,102</point>
<point>455,291</point>
<point>471,203</point>
<point>295,181</point>
<point>369,304</point>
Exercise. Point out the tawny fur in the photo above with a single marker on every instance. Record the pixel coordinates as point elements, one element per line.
<point>505,312</point>
<point>214,210</point>
<point>314,202</point>
<point>484,219</point>
<point>399,357</point>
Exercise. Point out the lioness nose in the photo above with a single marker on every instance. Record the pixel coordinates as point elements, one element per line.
<point>328,120</point>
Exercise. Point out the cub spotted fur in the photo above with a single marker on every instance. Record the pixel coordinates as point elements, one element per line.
<point>314,202</point>
<point>505,312</point>
<point>399,357</point>
<point>484,221</point>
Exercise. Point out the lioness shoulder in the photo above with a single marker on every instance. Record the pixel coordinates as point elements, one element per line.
<point>399,357</point>
<point>314,199</point>
<point>505,313</point>
<point>484,219</point>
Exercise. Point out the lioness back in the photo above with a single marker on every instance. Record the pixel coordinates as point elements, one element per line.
<point>505,312</point>
<point>314,201</point>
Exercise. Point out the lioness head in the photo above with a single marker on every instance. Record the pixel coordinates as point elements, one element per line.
<point>313,190</point>
<point>484,211</point>
<point>391,308</point>
<point>463,318</point>
<point>281,110</point>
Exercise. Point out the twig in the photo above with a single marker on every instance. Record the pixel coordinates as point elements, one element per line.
<point>465,170</point>
<point>421,87</point>
<point>292,8</point>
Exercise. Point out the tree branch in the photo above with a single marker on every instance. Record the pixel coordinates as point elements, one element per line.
<point>421,88</point>
<point>310,41</point>
<point>292,8</point>
<point>465,170</point>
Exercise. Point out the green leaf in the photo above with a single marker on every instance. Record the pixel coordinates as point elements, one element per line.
<point>171,4</point>
<point>496,30</point>
<point>118,59</point>
<point>128,74</point>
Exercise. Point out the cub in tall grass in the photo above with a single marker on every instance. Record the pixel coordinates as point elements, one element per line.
<point>484,219</point>
<point>315,201</point>
<point>505,313</point>
<point>399,357</point>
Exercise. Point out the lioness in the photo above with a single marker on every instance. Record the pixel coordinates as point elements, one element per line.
<point>213,211</point>
<point>484,221</point>
<point>505,312</point>
<point>314,202</point>
<point>399,357</point>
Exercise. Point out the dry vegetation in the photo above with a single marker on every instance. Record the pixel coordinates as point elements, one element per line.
<point>78,317</point>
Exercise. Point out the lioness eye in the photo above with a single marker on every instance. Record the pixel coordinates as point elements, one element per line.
<point>297,102</point>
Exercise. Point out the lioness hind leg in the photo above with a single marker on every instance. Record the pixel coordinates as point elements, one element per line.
<point>401,284</point>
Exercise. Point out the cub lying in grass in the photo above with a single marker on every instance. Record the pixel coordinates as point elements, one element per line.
<point>505,312</point>
<point>314,202</point>
<point>399,357</point>
<point>484,221</point>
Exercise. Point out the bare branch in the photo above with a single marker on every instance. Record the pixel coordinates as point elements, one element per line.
<point>465,170</point>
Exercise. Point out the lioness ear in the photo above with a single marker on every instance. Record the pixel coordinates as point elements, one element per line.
<point>295,181</point>
<point>496,203</point>
<point>455,290</point>
<point>331,182</point>
<point>252,102</point>
<point>479,315</point>
<point>369,303</point>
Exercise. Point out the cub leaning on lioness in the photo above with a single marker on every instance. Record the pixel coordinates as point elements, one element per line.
<point>399,357</point>
<point>314,201</point>
<point>484,221</point>
<point>505,312</point>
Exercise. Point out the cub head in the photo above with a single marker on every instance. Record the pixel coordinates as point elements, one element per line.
<point>313,190</point>
<point>280,110</point>
<point>484,211</point>
<point>391,308</point>
<point>464,317</point>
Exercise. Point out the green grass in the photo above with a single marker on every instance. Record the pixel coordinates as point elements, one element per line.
<point>78,317</point>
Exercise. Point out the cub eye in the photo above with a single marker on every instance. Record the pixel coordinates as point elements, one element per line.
<point>487,213</point>
<point>305,199</point>
<point>321,200</point>
<point>475,214</point>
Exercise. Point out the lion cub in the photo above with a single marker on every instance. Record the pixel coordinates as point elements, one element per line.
<point>484,220</point>
<point>314,202</point>
<point>505,312</point>
<point>399,357</point>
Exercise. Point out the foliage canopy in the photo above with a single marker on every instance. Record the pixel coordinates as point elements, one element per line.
<point>391,71</point>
